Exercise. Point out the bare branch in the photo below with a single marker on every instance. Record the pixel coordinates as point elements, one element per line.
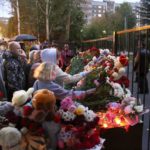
<point>50,8</point>
<point>40,7</point>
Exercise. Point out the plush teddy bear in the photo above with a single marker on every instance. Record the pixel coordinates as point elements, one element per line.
<point>43,102</point>
<point>119,67</point>
<point>10,138</point>
<point>41,106</point>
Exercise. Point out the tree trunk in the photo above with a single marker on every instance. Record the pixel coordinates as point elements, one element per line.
<point>18,16</point>
<point>47,20</point>
<point>68,27</point>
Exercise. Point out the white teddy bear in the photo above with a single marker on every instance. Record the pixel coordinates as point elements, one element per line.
<point>10,138</point>
<point>20,98</point>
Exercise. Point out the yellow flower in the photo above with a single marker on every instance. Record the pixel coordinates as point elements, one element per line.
<point>79,110</point>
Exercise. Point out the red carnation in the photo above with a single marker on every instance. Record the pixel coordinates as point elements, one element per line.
<point>94,49</point>
<point>115,69</point>
<point>57,118</point>
<point>27,110</point>
<point>25,122</point>
<point>125,81</point>
<point>123,60</point>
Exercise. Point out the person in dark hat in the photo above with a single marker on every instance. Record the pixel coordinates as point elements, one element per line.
<point>35,47</point>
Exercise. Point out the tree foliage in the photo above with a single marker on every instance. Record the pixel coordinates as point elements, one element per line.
<point>65,18</point>
<point>110,22</point>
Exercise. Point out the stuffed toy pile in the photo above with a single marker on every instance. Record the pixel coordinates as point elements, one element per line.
<point>27,115</point>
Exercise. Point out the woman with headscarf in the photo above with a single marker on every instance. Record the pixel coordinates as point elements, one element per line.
<point>51,56</point>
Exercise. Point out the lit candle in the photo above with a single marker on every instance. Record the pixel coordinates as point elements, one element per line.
<point>117,120</point>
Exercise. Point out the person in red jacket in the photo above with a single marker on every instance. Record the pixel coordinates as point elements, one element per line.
<point>66,55</point>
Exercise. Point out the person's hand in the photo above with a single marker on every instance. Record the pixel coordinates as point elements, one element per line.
<point>90,91</point>
<point>85,73</point>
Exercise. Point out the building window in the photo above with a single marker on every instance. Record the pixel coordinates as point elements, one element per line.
<point>99,15</point>
<point>99,6</point>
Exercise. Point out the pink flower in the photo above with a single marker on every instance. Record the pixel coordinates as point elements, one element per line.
<point>96,83</point>
<point>128,109</point>
<point>66,103</point>
<point>60,144</point>
<point>72,108</point>
<point>132,120</point>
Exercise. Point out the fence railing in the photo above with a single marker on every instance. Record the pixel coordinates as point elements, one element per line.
<point>132,42</point>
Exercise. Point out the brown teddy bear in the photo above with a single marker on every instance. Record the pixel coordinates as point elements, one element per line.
<point>41,111</point>
<point>41,106</point>
<point>43,102</point>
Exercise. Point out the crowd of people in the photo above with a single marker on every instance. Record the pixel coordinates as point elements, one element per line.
<point>18,66</point>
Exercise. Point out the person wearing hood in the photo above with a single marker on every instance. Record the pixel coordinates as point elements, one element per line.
<point>45,75</point>
<point>14,69</point>
<point>51,56</point>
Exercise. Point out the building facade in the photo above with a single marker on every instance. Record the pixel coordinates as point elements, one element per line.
<point>86,6</point>
<point>98,8</point>
<point>93,8</point>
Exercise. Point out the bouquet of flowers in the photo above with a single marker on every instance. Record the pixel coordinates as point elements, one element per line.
<point>79,130</point>
<point>108,73</point>
<point>83,59</point>
<point>122,114</point>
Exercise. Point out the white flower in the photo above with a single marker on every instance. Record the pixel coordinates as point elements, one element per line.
<point>111,57</point>
<point>128,93</point>
<point>89,115</point>
<point>139,108</point>
<point>118,90</point>
<point>68,116</point>
<point>94,59</point>
<point>60,111</point>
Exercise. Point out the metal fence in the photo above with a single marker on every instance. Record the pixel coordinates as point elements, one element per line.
<point>135,43</point>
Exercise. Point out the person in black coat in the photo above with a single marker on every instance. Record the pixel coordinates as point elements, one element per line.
<point>142,61</point>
